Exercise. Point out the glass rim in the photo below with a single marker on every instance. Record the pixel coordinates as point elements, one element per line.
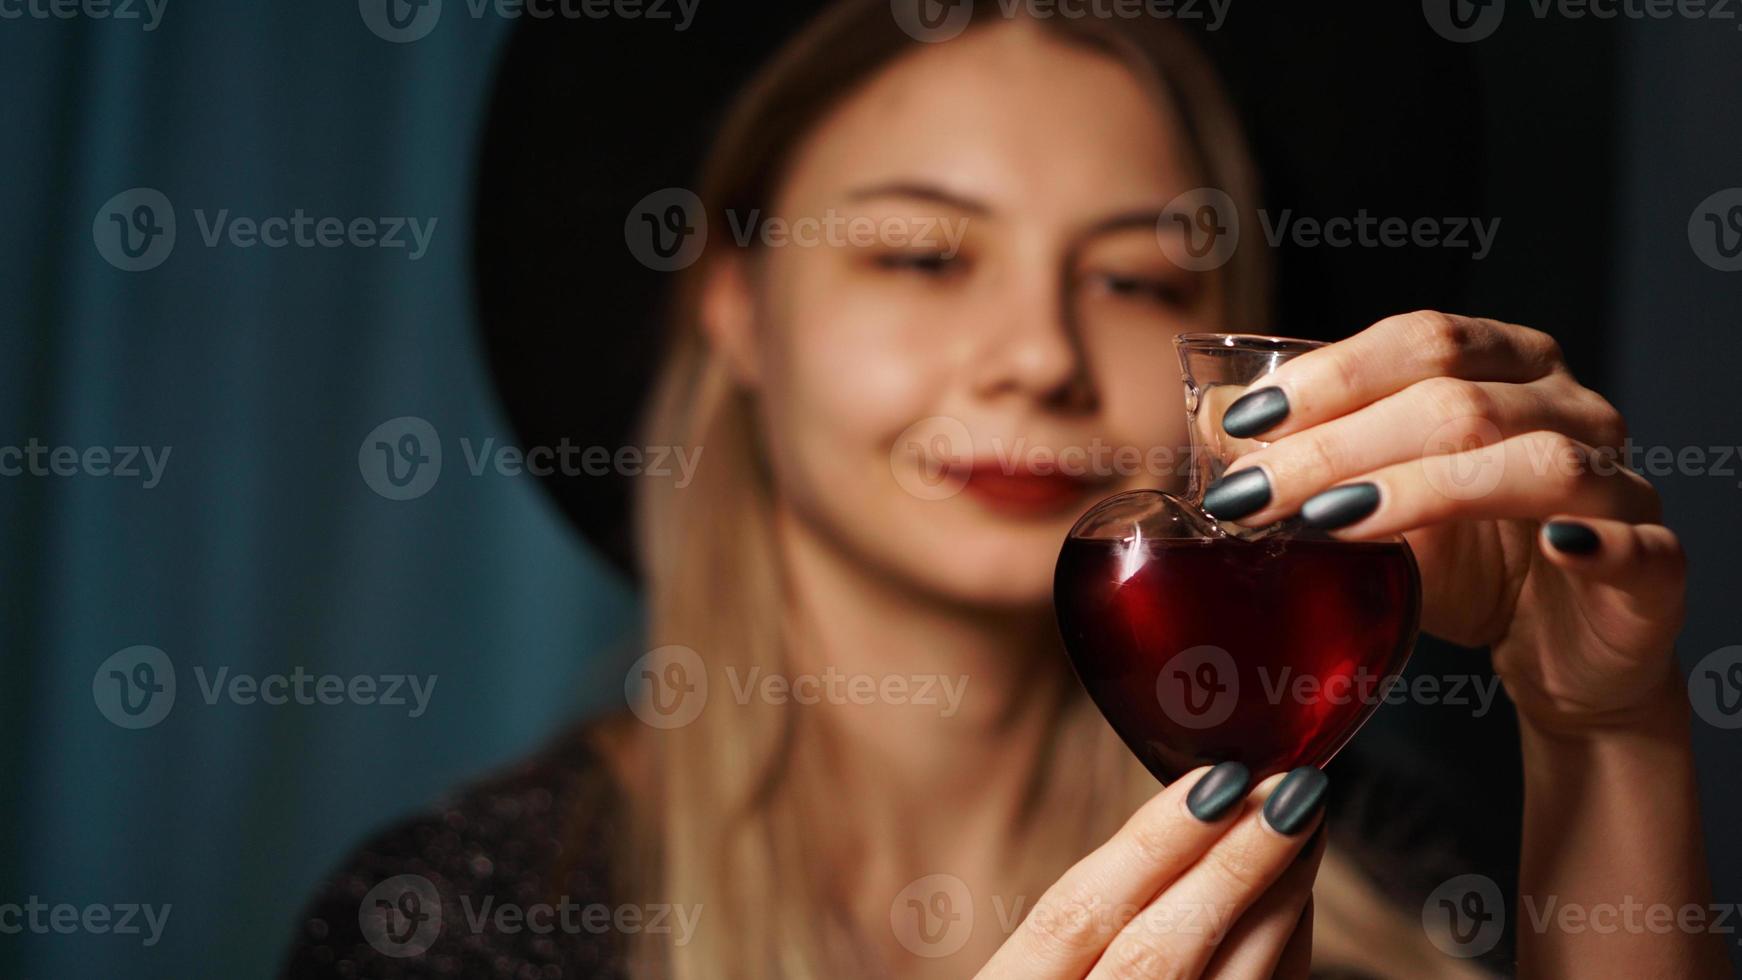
<point>1259,343</point>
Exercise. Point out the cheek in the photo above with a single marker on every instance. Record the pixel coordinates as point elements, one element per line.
<point>843,375</point>
<point>1142,399</point>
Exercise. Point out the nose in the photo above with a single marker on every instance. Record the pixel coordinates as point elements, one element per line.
<point>1030,346</point>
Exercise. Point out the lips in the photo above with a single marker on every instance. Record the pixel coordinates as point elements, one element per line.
<point>1022,492</point>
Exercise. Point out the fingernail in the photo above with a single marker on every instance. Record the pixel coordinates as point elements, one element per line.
<point>1255,412</point>
<point>1216,793</point>
<point>1571,538</point>
<point>1341,506</point>
<point>1238,494</point>
<point>1294,801</point>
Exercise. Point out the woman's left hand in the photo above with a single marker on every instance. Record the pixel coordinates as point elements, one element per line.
<point>1471,439</point>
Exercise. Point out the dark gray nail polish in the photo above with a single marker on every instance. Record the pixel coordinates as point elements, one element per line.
<point>1238,494</point>
<point>1341,506</point>
<point>1217,793</point>
<point>1572,538</point>
<point>1294,801</point>
<point>1254,412</point>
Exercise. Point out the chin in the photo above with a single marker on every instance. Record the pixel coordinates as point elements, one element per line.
<point>995,569</point>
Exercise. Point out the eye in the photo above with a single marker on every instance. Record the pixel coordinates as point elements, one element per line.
<point>1141,289</point>
<point>928,264</point>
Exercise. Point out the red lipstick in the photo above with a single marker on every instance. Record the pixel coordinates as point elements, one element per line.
<point>1020,492</point>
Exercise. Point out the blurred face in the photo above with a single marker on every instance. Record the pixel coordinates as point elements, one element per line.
<point>959,325</point>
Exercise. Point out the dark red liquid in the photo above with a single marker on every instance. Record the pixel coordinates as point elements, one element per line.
<point>1270,653</point>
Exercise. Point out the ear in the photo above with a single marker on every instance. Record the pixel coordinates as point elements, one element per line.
<point>728,317</point>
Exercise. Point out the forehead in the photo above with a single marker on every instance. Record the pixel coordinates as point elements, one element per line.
<point>1012,115</point>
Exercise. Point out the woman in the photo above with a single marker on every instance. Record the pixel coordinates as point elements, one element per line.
<point>842,837</point>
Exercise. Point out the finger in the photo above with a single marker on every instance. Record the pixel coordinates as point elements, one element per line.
<point>1630,579</point>
<point>1387,357</point>
<point>1178,932</point>
<point>1438,416</point>
<point>1257,943</point>
<point>1524,477</point>
<point>1297,958</point>
<point>1068,928</point>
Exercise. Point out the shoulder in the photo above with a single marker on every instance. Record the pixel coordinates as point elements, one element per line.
<point>511,874</point>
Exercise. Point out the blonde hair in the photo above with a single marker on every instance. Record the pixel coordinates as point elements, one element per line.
<point>721,822</point>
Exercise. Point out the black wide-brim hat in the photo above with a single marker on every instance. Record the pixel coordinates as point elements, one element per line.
<point>1346,109</point>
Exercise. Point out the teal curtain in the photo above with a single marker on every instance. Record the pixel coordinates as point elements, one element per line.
<point>261,549</point>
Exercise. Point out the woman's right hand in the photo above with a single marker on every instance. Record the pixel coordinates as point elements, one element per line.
<point>1205,880</point>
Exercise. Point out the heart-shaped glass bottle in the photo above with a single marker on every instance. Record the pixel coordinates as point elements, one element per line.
<point>1203,641</point>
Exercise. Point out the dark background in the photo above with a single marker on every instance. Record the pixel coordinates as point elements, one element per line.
<point>264,549</point>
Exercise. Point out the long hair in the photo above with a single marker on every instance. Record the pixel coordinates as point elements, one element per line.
<point>722,822</point>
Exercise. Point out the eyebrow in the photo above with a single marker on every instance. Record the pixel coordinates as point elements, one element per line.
<point>1145,218</point>
<point>921,192</point>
